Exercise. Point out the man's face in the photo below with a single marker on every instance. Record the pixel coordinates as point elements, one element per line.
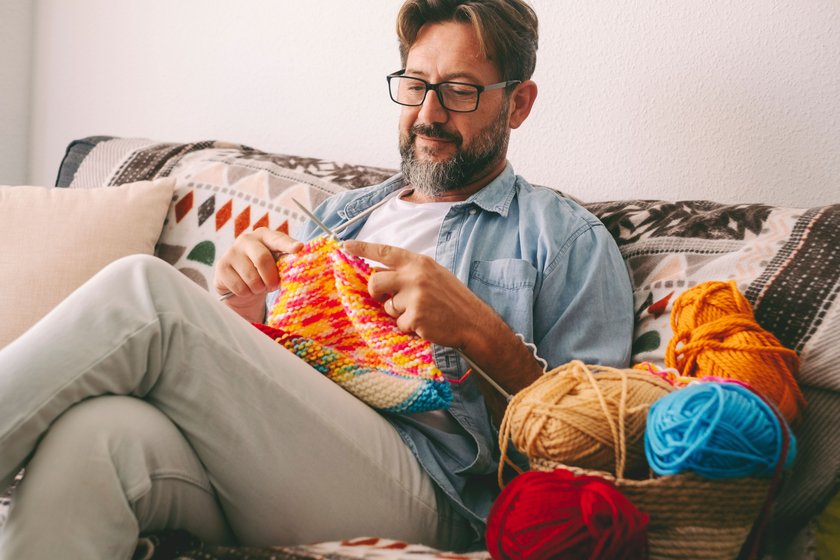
<point>441,150</point>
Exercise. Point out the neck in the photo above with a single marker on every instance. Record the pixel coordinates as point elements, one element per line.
<point>461,193</point>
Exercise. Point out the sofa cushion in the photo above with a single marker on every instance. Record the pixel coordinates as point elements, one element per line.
<point>54,239</point>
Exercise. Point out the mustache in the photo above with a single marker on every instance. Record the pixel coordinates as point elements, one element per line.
<point>435,131</point>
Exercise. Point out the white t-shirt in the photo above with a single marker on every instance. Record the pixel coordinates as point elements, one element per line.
<point>414,227</point>
<point>404,224</point>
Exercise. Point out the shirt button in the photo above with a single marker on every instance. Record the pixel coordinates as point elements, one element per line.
<point>472,211</point>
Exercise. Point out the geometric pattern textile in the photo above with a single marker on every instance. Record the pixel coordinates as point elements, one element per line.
<point>168,545</point>
<point>768,251</point>
<point>222,190</point>
<point>98,161</point>
<point>325,315</point>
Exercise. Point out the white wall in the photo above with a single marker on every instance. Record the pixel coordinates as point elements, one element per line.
<point>15,64</point>
<point>733,100</point>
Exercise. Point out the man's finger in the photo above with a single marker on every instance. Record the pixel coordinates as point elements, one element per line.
<point>383,285</point>
<point>279,242</point>
<point>386,254</point>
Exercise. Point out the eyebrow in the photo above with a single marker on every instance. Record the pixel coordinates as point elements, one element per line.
<point>452,76</point>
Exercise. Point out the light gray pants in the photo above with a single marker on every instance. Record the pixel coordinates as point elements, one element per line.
<point>217,429</point>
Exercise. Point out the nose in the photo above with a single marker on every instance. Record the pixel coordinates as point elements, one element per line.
<point>431,111</point>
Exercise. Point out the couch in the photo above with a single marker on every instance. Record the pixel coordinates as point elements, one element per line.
<point>785,260</point>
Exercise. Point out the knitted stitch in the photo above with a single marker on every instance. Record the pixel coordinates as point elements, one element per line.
<point>326,316</point>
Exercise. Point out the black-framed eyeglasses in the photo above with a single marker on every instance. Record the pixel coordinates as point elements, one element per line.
<point>459,97</point>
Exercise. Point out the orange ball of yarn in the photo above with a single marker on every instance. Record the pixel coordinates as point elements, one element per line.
<point>716,334</point>
<point>592,417</point>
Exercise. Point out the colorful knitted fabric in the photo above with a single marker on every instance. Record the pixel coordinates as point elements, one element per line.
<point>326,316</point>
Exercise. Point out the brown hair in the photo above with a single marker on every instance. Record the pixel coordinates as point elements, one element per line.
<point>506,29</point>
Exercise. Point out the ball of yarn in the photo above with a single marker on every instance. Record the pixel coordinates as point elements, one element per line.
<point>590,417</point>
<point>716,335</point>
<point>717,430</point>
<point>547,515</point>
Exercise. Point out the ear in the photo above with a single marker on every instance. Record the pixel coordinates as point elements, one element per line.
<point>521,101</point>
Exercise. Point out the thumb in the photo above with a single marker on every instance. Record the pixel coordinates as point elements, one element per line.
<point>279,242</point>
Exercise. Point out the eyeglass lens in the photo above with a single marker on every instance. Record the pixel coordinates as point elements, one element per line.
<point>453,96</point>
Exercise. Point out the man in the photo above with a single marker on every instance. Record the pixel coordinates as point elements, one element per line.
<point>221,431</point>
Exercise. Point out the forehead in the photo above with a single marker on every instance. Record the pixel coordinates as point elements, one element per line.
<point>449,50</point>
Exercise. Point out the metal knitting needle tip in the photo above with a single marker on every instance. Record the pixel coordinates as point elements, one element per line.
<point>318,222</point>
<point>486,376</point>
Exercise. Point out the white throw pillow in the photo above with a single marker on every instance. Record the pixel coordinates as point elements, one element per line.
<point>52,240</point>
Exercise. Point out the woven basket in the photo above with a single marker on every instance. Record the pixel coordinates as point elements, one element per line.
<point>690,516</point>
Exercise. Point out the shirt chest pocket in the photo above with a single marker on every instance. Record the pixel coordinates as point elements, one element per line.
<point>507,285</point>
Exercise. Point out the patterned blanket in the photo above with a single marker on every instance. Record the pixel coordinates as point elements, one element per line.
<point>179,545</point>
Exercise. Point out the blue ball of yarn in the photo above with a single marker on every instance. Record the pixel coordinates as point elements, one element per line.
<point>718,430</point>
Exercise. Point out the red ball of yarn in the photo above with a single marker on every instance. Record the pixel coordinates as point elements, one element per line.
<point>546,515</point>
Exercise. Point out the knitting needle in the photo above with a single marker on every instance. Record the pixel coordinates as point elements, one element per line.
<point>367,212</point>
<point>486,376</point>
<point>318,222</point>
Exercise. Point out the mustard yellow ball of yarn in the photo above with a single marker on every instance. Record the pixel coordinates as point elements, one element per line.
<point>591,417</point>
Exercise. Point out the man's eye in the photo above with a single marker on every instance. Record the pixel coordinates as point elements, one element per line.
<point>461,91</point>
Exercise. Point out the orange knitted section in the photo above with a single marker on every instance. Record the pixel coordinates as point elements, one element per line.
<point>716,334</point>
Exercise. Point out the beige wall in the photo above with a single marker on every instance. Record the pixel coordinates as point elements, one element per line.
<point>15,63</point>
<point>733,100</point>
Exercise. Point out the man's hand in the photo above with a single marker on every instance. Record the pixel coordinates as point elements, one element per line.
<point>427,299</point>
<point>248,269</point>
<point>424,297</point>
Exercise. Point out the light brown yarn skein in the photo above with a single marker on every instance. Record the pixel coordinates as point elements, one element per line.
<point>591,417</point>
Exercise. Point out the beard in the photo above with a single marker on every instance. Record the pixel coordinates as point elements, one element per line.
<point>436,178</point>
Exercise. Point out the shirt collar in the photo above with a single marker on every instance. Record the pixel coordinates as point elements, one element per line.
<point>367,201</point>
<point>496,196</point>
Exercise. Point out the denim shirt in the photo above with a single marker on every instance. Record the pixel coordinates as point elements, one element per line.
<point>549,268</point>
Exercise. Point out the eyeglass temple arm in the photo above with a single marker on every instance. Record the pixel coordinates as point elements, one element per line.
<point>500,85</point>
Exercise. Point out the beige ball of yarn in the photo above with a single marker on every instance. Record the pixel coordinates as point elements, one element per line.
<point>591,417</point>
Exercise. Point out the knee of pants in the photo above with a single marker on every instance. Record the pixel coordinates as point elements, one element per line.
<point>129,266</point>
<point>125,434</point>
